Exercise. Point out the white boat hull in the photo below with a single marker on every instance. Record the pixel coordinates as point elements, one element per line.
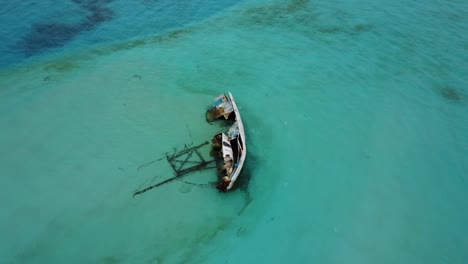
<point>241,161</point>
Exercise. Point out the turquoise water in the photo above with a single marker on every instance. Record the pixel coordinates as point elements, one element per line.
<point>357,130</point>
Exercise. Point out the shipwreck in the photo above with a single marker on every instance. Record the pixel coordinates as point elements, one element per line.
<point>228,149</point>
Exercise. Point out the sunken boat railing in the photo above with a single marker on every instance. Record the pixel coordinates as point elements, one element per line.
<point>178,161</point>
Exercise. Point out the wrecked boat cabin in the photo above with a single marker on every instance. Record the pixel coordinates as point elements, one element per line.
<point>228,150</point>
<point>228,147</point>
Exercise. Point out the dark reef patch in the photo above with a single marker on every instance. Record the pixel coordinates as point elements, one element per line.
<point>60,66</point>
<point>44,36</point>
<point>110,260</point>
<point>69,63</point>
<point>300,16</point>
<point>359,28</point>
<point>450,93</point>
<point>330,30</point>
<point>350,30</point>
<point>168,37</point>
<point>275,14</point>
<point>172,35</point>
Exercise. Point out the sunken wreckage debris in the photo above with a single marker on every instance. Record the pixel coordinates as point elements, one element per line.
<point>228,149</point>
<point>178,161</point>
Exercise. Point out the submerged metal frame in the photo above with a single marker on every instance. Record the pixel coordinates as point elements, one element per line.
<point>178,165</point>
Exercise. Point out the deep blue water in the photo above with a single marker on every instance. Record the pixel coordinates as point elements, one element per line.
<point>31,28</point>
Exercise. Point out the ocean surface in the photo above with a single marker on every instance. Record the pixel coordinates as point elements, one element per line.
<point>356,117</point>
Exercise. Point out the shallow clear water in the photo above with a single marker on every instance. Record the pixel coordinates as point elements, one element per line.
<point>356,116</point>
